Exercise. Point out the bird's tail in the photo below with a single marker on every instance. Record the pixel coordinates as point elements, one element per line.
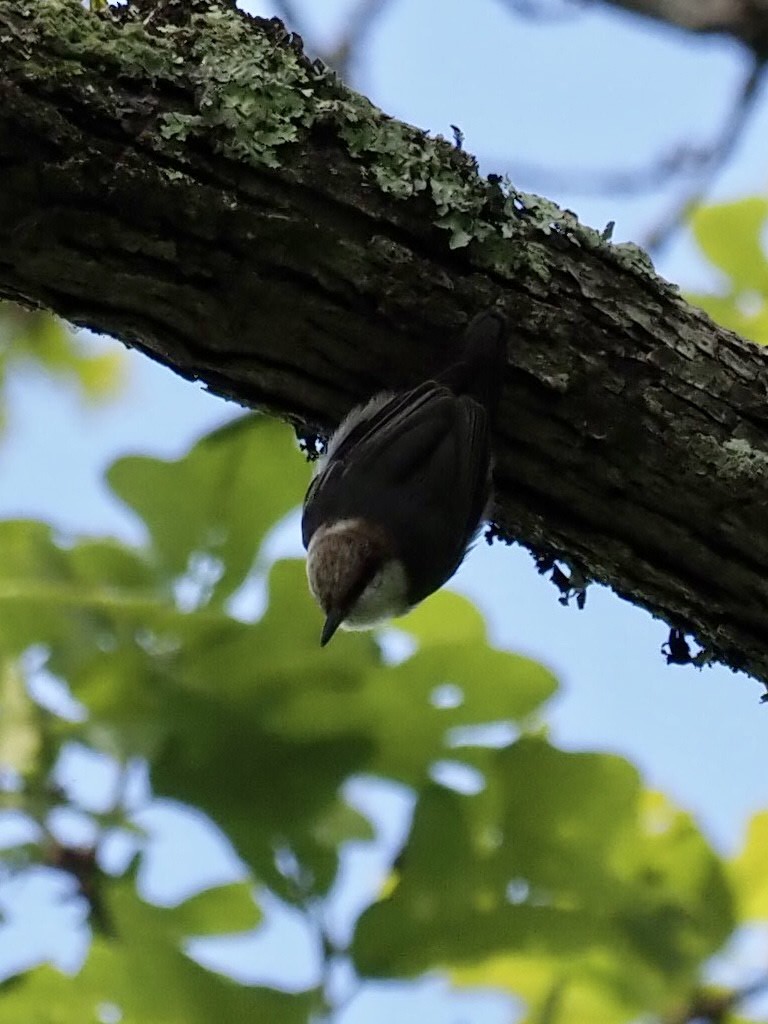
<point>480,371</point>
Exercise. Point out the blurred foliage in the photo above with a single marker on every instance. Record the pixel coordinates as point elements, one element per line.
<point>732,237</point>
<point>38,338</point>
<point>553,875</point>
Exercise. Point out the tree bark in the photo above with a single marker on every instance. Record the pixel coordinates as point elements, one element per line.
<point>180,176</point>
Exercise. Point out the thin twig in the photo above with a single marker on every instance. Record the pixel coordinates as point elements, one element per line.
<point>684,159</point>
<point>358,26</point>
<point>719,152</point>
<point>541,10</point>
<point>288,13</point>
<point>712,1007</point>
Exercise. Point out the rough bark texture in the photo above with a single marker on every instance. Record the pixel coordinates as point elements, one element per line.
<point>183,178</point>
<point>745,20</point>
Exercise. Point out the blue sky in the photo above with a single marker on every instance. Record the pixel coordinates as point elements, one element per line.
<point>599,90</point>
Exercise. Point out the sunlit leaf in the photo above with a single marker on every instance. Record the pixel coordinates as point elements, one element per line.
<point>597,984</point>
<point>107,563</point>
<point>446,618</point>
<point>33,569</point>
<point>748,317</point>
<point>731,236</point>
<point>222,910</point>
<point>748,871</point>
<point>20,726</point>
<point>560,856</point>
<point>38,338</point>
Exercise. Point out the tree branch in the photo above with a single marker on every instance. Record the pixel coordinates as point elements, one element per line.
<point>360,21</point>
<point>712,160</point>
<point>747,22</point>
<point>697,161</point>
<point>193,185</point>
<point>744,20</point>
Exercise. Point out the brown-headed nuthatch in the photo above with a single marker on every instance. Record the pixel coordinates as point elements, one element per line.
<point>403,487</point>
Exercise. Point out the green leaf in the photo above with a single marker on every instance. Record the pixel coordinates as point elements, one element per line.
<point>265,791</point>
<point>562,860</point>
<point>192,692</point>
<point>20,722</point>
<point>222,700</point>
<point>208,512</point>
<point>414,711</point>
<point>107,563</point>
<point>730,236</point>
<point>750,320</point>
<point>596,984</point>
<point>748,871</point>
<point>261,704</point>
<point>92,607</point>
<point>32,570</point>
<point>446,618</point>
<point>223,910</point>
<point>124,691</point>
<point>144,976</point>
<point>680,908</point>
<point>40,338</point>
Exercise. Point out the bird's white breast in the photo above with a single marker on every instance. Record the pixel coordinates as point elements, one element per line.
<point>384,598</point>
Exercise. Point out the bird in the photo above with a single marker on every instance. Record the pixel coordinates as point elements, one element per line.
<point>403,487</point>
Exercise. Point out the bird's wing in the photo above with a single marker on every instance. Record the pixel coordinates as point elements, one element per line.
<point>417,463</point>
<point>361,449</point>
<point>449,511</point>
<point>372,424</point>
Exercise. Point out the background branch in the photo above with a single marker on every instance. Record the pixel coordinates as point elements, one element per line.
<point>359,24</point>
<point>703,161</point>
<point>711,161</point>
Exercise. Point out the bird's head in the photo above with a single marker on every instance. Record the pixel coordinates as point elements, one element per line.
<point>354,575</point>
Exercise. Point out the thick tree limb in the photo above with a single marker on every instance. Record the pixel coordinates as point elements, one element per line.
<point>181,177</point>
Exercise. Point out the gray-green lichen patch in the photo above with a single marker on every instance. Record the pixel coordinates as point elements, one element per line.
<point>744,459</point>
<point>253,93</point>
<point>82,39</point>
<point>244,86</point>
<point>633,257</point>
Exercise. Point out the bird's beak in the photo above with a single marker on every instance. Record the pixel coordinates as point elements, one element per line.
<point>333,620</point>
